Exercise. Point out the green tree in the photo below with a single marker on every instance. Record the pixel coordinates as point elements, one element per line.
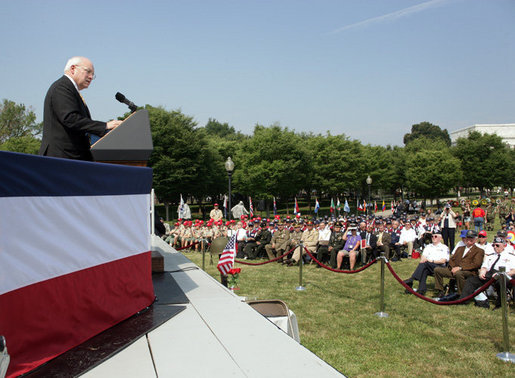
<point>182,160</point>
<point>26,144</point>
<point>428,130</point>
<point>271,163</point>
<point>486,161</point>
<point>337,163</point>
<point>432,172</point>
<point>18,128</point>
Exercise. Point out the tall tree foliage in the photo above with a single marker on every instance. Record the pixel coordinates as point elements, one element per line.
<point>271,163</point>
<point>427,130</point>
<point>486,161</point>
<point>182,159</point>
<point>18,128</point>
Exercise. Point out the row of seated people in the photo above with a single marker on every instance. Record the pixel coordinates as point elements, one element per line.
<point>264,239</point>
<point>471,264</point>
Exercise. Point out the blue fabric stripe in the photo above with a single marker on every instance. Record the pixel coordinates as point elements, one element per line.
<point>23,175</point>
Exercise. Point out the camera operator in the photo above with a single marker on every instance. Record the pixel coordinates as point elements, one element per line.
<point>448,226</point>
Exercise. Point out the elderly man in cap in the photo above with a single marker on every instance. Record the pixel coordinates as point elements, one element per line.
<point>216,213</point>
<point>310,240</point>
<point>490,266</point>
<point>336,243</point>
<point>435,255</point>
<point>463,264</point>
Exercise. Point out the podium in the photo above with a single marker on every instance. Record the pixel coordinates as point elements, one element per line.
<point>128,144</point>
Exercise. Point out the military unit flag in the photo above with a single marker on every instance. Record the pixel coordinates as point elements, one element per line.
<point>346,207</point>
<point>251,208</point>
<point>317,206</point>
<point>332,206</point>
<point>296,209</point>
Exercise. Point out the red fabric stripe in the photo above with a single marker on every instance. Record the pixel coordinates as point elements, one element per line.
<point>46,319</point>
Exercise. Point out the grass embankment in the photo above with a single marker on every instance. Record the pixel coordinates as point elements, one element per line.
<point>337,322</point>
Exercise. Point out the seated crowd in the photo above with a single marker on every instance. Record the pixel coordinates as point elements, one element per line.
<point>347,241</point>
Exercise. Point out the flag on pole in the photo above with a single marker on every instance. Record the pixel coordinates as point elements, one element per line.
<point>317,206</point>
<point>364,205</point>
<point>181,207</point>
<point>226,261</point>
<point>375,206</point>
<point>225,206</point>
<point>338,204</point>
<point>296,208</point>
<point>275,207</point>
<point>346,207</point>
<point>360,207</point>
<point>332,206</point>
<point>384,206</point>
<point>392,205</point>
<point>251,207</point>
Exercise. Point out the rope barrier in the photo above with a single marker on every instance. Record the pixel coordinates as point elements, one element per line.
<point>187,246</point>
<point>339,270</point>
<point>265,262</point>
<point>459,301</point>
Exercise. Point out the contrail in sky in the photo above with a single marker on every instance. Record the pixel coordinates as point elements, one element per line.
<point>392,16</point>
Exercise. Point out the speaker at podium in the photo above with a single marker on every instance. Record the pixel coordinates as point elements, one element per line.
<point>128,144</point>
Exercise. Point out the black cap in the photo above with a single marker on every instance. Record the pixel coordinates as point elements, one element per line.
<point>471,234</point>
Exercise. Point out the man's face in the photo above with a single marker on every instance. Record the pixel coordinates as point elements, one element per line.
<point>381,227</point>
<point>469,242</point>
<point>82,73</point>
<point>499,247</point>
<point>436,239</point>
<point>370,228</point>
<point>322,225</point>
<point>362,226</point>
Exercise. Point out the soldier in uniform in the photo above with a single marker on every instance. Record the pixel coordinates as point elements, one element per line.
<point>263,238</point>
<point>336,243</point>
<point>279,243</point>
<point>490,216</point>
<point>310,239</point>
<point>295,237</point>
<point>504,210</point>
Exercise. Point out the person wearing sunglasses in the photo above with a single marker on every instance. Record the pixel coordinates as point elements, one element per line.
<point>435,255</point>
<point>489,268</point>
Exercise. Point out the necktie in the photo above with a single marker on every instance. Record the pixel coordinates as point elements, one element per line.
<point>492,267</point>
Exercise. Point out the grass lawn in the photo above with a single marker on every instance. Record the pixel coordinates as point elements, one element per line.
<point>337,322</point>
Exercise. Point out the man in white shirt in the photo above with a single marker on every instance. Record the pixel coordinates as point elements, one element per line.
<point>324,234</point>
<point>435,255</point>
<point>490,267</point>
<point>408,237</point>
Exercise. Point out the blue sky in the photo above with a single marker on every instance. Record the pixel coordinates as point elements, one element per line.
<point>368,69</point>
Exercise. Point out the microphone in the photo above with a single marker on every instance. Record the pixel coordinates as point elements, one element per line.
<point>124,100</point>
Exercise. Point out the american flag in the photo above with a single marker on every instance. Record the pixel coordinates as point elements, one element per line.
<point>275,207</point>
<point>226,261</point>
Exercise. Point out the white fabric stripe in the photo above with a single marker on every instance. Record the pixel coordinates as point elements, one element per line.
<point>46,237</point>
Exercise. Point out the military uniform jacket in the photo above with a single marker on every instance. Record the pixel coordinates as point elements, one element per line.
<point>336,240</point>
<point>281,239</point>
<point>386,237</point>
<point>310,238</point>
<point>264,236</point>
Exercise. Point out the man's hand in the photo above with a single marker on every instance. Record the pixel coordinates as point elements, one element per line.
<point>113,124</point>
<point>455,270</point>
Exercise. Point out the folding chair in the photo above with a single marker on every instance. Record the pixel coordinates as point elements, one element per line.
<point>278,313</point>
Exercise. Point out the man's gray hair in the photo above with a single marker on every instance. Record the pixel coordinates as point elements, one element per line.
<point>74,61</point>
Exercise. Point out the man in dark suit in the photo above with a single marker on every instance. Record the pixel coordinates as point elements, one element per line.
<point>66,119</point>
<point>464,263</point>
<point>368,243</point>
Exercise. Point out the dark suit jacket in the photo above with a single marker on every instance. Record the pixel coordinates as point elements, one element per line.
<point>66,121</point>
<point>472,260</point>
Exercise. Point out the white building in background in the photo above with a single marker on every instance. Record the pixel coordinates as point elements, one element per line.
<point>505,130</point>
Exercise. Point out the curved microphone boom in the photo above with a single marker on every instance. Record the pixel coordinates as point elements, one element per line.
<point>124,100</point>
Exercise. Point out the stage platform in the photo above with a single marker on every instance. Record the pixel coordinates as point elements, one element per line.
<point>216,335</point>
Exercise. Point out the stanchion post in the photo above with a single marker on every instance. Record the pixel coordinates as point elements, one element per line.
<point>381,313</point>
<point>506,355</point>
<point>301,262</point>
<point>203,259</point>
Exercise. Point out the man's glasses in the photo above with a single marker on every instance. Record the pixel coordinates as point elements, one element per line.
<point>89,71</point>
<point>481,236</point>
<point>497,245</point>
<point>434,236</point>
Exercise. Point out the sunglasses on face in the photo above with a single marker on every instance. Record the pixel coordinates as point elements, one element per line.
<point>498,245</point>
